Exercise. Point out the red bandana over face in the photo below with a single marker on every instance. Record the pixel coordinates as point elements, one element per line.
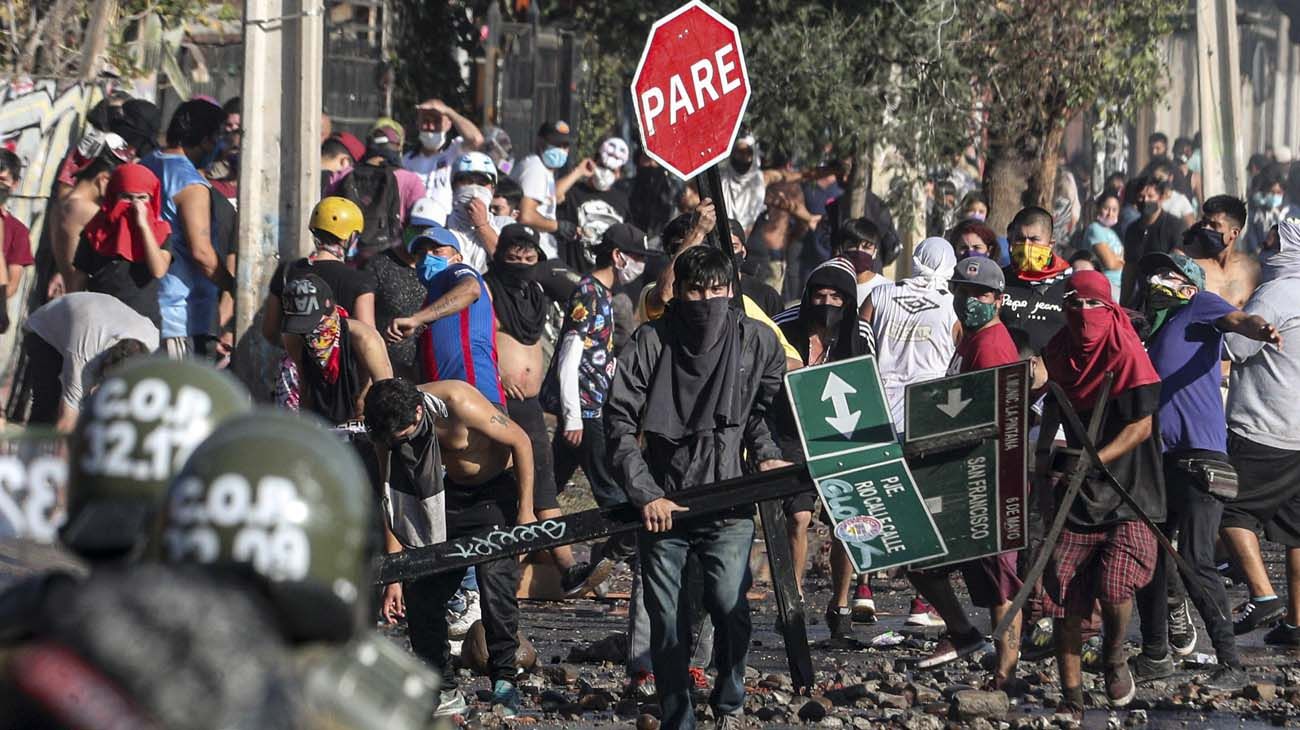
<point>1094,342</point>
<point>113,231</point>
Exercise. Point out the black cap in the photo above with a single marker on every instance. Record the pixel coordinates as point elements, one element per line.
<point>556,132</point>
<point>305,301</point>
<point>518,234</point>
<point>626,238</point>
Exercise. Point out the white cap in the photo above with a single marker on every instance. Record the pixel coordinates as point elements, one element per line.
<point>426,212</point>
<point>1282,153</point>
<point>614,153</point>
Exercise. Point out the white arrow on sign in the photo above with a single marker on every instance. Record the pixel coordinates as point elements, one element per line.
<point>837,391</point>
<point>956,404</point>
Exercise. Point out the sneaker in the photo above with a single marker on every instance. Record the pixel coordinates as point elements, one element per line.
<point>951,648</point>
<point>451,702</point>
<point>699,678</point>
<point>1182,631</point>
<point>505,695</point>
<point>839,621</point>
<point>1227,678</point>
<point>729,722</point>
<point>922,614</point>
<point>1037,643</point>
<point>1284,634</point>
<point>1120,687</point>
<point>1090,657</point>
<point>458,622</point>
<point>641,686</point>
<point>1255,614</point>
<point>583,577</point>
<point>864,606</point>
<point>1146,669</point>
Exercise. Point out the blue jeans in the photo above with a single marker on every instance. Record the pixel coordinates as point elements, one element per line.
<point>722,547</point>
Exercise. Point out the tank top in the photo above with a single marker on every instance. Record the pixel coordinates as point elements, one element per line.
<point>913,330</point>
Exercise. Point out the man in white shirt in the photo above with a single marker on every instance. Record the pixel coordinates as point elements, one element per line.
<point>542,191</point>
<point>439,147</point>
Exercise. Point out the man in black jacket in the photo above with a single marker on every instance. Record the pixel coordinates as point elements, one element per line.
<point>1155,232</point>
<point>712,374</point>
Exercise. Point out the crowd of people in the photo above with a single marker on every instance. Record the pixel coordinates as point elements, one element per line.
<point>478,328</point>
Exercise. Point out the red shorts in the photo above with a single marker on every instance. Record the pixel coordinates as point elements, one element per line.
<point>992,580</point>
<point>1107,565</point>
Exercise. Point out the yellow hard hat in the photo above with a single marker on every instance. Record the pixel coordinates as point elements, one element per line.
<point>338,217</point>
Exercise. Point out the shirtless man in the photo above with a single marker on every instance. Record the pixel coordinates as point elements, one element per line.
<point>75,211</point>
<point>520,307</point>
<point>417,431</point>
<point>1211,242</point>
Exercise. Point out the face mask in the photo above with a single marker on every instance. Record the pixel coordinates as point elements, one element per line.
<point>1204,241</point>
<point>1161,301</point>
<point>432,140</point>
<point>973,313</point>
<point>741,165</point>
<point>827,316</point>
<point>630,271</point>
<point>5,192</point>
<point>1033,259</point>
<point>1149,208</point>
<point>462,196</point>
<point>1089,326</point>
<point>431,266</point>
<point>1274,200</point>
<point>1108,220</point>
<point>603,179</point>
<point>514,272</point>
<point>976,216</point>
<point>555,157</point>
<point>703,320</point>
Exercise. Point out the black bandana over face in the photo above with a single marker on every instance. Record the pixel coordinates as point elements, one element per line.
<point>519,301</point>
<point>697,383</point>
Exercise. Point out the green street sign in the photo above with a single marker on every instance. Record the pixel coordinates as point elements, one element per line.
<point>978,495</point>
<point>949,405</point>
<point>880,517</point>
<point>840,408</point>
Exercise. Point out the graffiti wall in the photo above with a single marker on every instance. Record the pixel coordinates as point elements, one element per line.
<point>40,119</point>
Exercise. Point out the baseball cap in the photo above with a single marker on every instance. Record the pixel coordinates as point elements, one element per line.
<point>433,237</point>
<point>306,300</point>
<point>424,213</point>
<point>518,234</point>
<point>390,129</point>
<point>356,147</point>
<point>626,238</point>
<point>556,132</point>
<point>980,271</point>
<point>614,153</point>
<point>1155,261</point>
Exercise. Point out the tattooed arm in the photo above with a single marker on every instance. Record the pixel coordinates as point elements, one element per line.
<point>464,293</point>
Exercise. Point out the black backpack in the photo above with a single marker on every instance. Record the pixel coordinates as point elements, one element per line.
<point>374,190</point>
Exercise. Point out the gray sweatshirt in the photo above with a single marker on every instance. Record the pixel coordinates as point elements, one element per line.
<point>1262,388</point>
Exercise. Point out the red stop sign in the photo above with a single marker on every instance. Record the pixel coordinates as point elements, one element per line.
<point>690,89</point>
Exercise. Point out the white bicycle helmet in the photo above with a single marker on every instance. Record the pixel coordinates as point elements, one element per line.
<point>474,162</point>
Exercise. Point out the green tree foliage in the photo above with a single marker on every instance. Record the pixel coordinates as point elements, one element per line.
<point>426,39</point>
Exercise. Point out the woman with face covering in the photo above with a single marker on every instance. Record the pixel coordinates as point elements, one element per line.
<point>1105,553</point>
<point>1101,239</point>
<point>123,248</point>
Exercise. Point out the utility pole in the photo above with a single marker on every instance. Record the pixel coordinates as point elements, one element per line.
<point>1220,97</point>
<point>279,167</point>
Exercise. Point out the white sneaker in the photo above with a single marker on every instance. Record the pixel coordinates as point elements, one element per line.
<point>458,623</point>
<point>451,702</point>
<point>923,614</point>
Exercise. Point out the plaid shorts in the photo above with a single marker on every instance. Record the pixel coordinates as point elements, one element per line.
<point>1107,565</point>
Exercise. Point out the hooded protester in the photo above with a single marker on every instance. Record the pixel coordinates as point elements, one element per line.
<point>1105,553</point>
<point>914,324</point>
<point>694,387</point>
<point>123,249</point>
<point>1264,437</point>
<point>1035,294</point>
<point>823,327</point>
<point>743,185</point>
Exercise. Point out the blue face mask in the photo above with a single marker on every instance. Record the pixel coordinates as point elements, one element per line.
<point>431,266</point>
<point>972,254</point>
<point>555,157</point>
<point>1274,200</point>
